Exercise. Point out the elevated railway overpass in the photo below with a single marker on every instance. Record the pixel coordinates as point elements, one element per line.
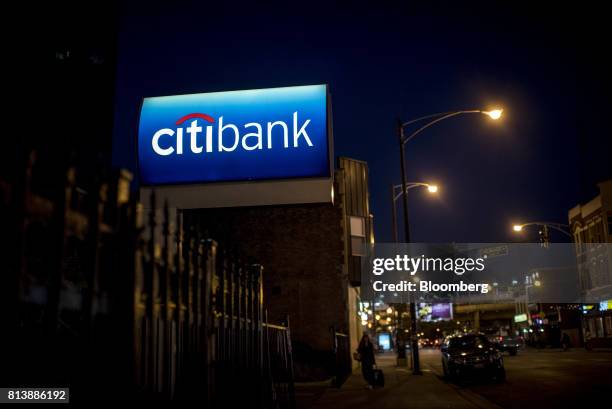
<point>485,309</point>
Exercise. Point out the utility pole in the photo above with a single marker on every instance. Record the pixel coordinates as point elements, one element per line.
<point>416,367</point>
<point>394,214</point>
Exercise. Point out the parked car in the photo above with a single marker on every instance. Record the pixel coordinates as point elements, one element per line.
<point>469,353</point>
<point>509,344</point>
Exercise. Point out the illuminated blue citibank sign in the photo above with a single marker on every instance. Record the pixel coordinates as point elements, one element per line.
<point>275,134</point>
<point>259,134</point>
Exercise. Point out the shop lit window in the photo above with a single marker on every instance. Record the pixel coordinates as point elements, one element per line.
<point>357,226</point>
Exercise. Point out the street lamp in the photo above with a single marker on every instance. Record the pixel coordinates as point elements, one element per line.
<point>494,114</point>
<point>544,237</point>
<point>563,228</point>
<point>396,193</point>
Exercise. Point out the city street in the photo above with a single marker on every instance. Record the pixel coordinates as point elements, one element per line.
<point>401,390</point>
<point>541,378</point>
<point>286,205</point>
<point>535,378</point>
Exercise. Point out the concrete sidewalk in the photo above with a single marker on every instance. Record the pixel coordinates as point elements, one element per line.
<point>402,390</point>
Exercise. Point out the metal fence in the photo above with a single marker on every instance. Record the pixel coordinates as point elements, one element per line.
<point>279,364</point>
<point>106,295</point>
<point>342,355</point>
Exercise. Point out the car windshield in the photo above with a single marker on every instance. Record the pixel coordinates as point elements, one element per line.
<point>467,342</point>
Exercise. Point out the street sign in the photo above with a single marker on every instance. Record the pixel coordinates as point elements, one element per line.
<point>520,318</point>
<point>494,251</point>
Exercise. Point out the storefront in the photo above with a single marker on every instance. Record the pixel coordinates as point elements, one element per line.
<point>597,325</point>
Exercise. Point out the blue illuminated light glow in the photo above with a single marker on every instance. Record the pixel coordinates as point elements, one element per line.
<point>384,340</point>
<point>264,134</point>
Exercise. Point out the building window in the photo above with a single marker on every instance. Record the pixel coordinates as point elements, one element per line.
<point>357,225</point>
<point>577,242</point>
<point>591,328</point>
<point>609,326</point>
<point>599,327</point>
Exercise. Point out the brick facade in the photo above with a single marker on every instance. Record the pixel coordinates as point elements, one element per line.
<point>310,272</point>
<point>302,250</point>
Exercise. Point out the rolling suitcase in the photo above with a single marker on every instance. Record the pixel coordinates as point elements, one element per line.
<point>378,378</point>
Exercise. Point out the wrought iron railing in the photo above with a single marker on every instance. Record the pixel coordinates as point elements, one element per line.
<point>107,295</point>
<point>342,357</point>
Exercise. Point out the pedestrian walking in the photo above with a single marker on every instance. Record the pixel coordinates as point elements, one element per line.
<point>365,353</point>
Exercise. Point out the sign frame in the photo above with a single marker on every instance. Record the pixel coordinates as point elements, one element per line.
<point>239,193</point>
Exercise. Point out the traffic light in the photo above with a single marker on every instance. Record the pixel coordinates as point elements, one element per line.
<point>544,236</point>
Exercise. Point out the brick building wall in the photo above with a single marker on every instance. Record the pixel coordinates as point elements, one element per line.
<point>302,250</point>
<point>311,272</point>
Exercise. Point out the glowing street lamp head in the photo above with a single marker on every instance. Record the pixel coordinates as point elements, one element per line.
<point>432,188</point>
<point>517,227</point>
<point>494,114</point>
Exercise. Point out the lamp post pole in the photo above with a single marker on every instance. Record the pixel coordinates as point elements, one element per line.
<point>400,130</point>
<point>395,196</point>
<point>414,343</point>
<point>394,214</point>
<point>402,139</point>
<point>560,227</point>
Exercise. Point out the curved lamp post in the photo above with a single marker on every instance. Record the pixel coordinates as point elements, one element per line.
<point>563,228</point>
<point>544,237</point>
<point>403,139</point>
<point>396,193</point>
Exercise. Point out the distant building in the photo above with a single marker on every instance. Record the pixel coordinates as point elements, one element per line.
<point>591,224</point>
<point>591,227</point>
<point>311,257</point>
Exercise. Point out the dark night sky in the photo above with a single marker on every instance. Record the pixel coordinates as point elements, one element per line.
<point>381,62</point>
